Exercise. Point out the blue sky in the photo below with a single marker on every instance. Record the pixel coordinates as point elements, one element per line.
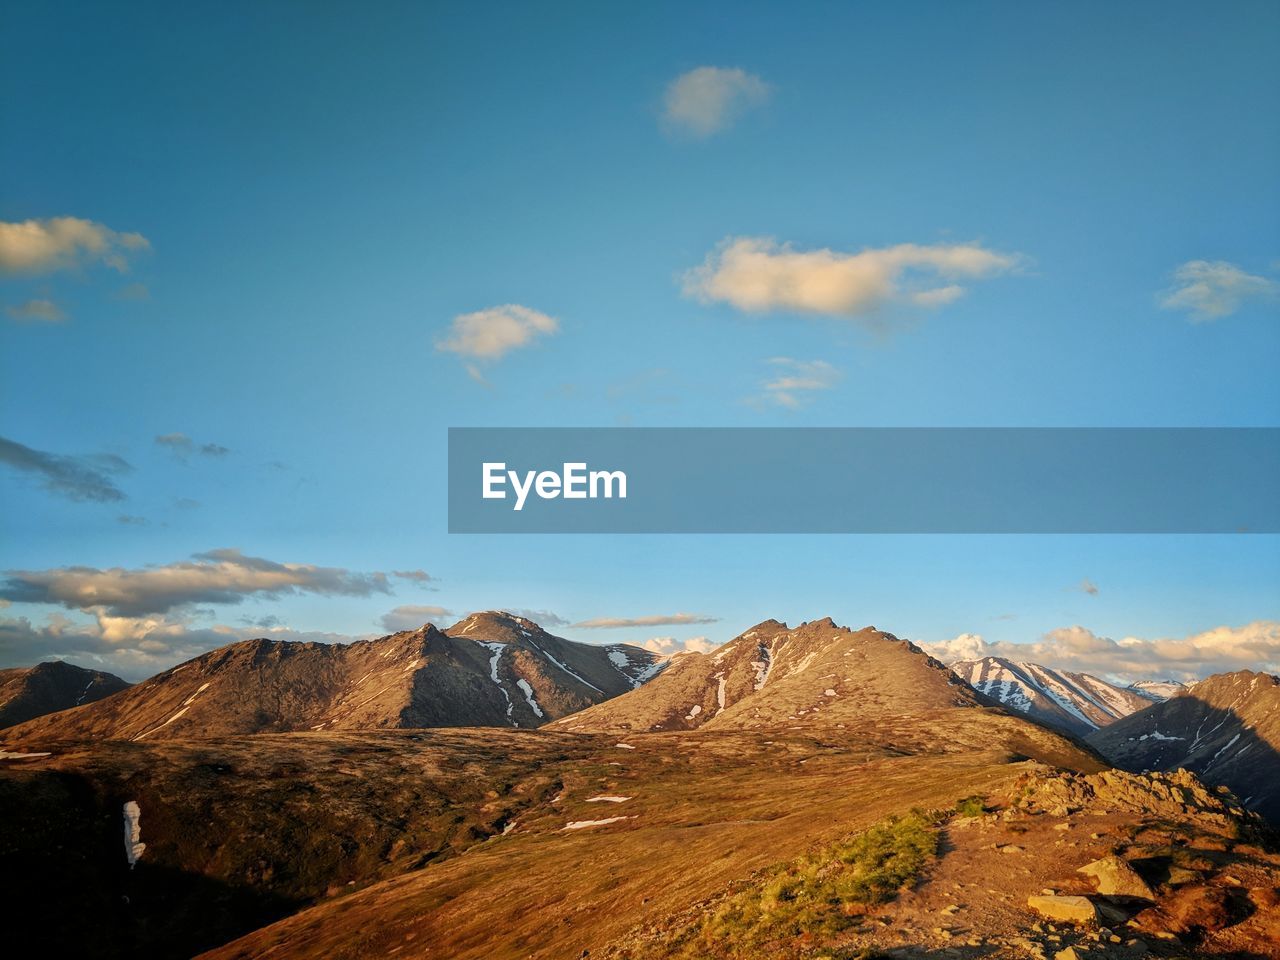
<point>289,205</point>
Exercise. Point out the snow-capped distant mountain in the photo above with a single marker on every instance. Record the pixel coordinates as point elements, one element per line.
<point>1075,702</point>
<point>1157,691</point>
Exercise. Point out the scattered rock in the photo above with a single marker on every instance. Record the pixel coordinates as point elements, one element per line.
<point>1011,848</point>
<point>1115,878</point>
<point>1112,913</point>
<point>1180,875</point>
<point>1067,954</point>
<point>1066,909</point>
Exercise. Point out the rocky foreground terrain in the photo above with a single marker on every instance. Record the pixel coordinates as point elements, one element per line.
<point>836,793</point>
<point>29,692</point>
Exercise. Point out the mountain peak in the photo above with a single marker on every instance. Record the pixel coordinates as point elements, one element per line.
<point>496,625</point>
<point>54,685</point>
<point>818,673</point>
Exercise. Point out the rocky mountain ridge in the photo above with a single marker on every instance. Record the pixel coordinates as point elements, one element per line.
<point>775,675</point>
<point>491,669</point>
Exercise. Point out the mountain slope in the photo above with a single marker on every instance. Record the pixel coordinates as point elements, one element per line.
<point>30,692</point>
<point>491,669</point>
<point>773,675</point>
<point>1225,729</point>
<point>1075,702</point>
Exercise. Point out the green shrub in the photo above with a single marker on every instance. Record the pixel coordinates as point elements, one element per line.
<point>971,807</point>
<point>799,903</point>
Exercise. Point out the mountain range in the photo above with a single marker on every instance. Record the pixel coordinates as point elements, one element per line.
<point>491,669</point>
<point>282,799</point>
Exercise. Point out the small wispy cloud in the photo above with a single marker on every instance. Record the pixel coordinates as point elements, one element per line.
<point>416,576</point>
<point>412,616</point>
<point>659,620</point>
<point>543,618</point>
<point>133,291</point>
<point>36,311</point>
<point>65,243</point>
<point>1213,289</point>
<point>707,100</point>
<point>182,446</point>
<point>486,336</point>
<point>797,380</point>
<point>1088,586</point>
<point>759,275</point>
<point>84,478</point>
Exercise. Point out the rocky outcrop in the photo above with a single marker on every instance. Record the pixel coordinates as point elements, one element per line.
<point>1176,795</point>
<point>1064,909</point>
<point>1115,878</point>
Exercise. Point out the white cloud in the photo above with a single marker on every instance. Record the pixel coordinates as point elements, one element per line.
<point>133,647</point>
<point>219,576</point>
<point>412,616</point>
<point>707,100</point>
<point>63,243</point>
<point>1253,646</point>
<point>493,333</point>
<point>669,645</point>
<point>1210,290</point>
<point>796,379</point>
<point>758,274</point>
<point>658,620</point>
<point>41,311</point>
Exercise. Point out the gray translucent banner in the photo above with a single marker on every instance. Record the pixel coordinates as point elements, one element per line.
<point>795,480</point>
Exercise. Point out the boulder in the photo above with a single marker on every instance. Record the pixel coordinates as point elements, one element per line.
<point>1064,909</point>
<point>1202,907</point>
<point>1115,878</point>
<point>1188,910</point>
